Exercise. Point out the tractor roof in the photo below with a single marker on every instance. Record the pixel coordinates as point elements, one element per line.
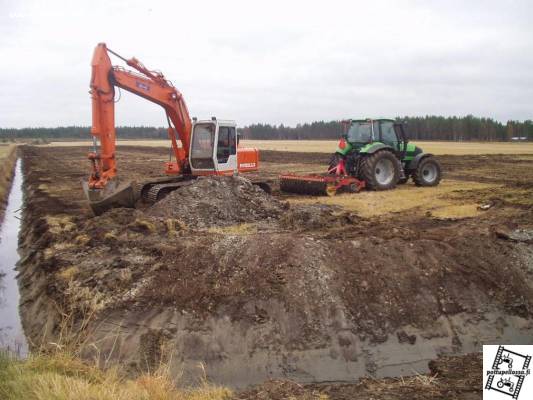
<point>374,119</point>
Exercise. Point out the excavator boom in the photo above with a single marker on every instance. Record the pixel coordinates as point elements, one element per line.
<point>103,188</point>
<point>148,84</point>
<point>215,152</point>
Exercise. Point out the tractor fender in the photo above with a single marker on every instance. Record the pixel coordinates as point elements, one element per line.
<point>413,164</point>
<point>373,147</point>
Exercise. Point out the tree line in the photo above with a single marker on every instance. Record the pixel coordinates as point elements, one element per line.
<point>81,132</point>
<point>468,128</point>
<point>418,128</point>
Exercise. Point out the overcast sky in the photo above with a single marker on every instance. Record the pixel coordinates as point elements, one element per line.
<point>272,61</point>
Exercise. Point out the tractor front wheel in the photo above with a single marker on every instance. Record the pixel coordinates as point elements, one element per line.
<point>381,170</point>
<point>428,172</point>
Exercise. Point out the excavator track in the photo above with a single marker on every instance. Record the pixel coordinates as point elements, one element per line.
<point>152,193</point>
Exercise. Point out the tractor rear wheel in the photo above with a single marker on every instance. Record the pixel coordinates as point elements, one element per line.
<point>428,172</point>
<point>381,170</point>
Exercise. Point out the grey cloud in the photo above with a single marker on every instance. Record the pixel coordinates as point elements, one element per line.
<point>276,62</point>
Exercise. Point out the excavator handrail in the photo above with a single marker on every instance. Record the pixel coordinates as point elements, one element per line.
<point>121,68</point>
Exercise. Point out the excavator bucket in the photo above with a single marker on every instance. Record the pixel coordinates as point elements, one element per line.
<point>112,196</point>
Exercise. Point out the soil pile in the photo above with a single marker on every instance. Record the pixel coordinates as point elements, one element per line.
<point>222,201</point>
<point>218,201</point>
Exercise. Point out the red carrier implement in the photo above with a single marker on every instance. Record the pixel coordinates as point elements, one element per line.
<point>335,181</point>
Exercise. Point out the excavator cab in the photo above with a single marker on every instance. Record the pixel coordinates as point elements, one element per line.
<point>214,147</point>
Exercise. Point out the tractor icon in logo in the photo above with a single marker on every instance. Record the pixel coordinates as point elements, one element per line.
<point>506,358</point>
<point>506,383</point>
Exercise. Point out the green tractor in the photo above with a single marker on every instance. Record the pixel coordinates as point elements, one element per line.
<point>378,152</point>
<point>374,154</point>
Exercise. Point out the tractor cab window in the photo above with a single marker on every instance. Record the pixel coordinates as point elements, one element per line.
<point>360,132</point>
<point>227,143</point>
<point>203,142</point>
<point>375,127</point>
<point>388,135</point>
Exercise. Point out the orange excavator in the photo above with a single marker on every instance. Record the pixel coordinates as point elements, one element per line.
<point>199,148</point>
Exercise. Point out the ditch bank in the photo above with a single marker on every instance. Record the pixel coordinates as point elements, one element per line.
<point>311,294</point>
<point>7,170</point>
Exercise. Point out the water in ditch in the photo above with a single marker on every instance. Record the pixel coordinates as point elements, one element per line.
<point>12,337</point>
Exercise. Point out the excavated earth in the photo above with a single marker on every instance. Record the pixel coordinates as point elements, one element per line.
<point>223,280</point>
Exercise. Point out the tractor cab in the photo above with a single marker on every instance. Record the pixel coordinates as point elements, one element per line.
<point>364,135</point>
<point>362,132</point>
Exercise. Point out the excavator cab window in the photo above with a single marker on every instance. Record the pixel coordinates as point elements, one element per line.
<point>233,140</point>
<point>227,143</point>
<point>223,145</point>
<point>203,142</point>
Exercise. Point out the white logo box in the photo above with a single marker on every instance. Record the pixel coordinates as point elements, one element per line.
<point>506,372</point>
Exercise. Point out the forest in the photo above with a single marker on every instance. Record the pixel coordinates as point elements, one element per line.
<point>468,128</point>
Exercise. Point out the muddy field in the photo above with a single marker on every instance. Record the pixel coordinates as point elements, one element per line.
<point>248,287</point>
<point>328,146</point>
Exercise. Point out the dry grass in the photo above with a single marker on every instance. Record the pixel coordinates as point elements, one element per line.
<point>441,148</point>
<point>61,375</point>
<point>329,146</point>
<point>57,371</point>
<point>456,211</point>
<point>59,224</point>
<point>8,158</point>
<point>441,201</point>
<point>68,273</point>
<point>5,150</point>
<point>240,229</point>
<point>144,225</point>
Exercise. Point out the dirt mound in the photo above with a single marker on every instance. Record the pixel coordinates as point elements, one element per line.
<point>218,201</point>
<point>316,217</point>
<point>228,200</point>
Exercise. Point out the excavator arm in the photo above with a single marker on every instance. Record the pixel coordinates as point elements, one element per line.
<point>103,188</point>
<point>150,85</point>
